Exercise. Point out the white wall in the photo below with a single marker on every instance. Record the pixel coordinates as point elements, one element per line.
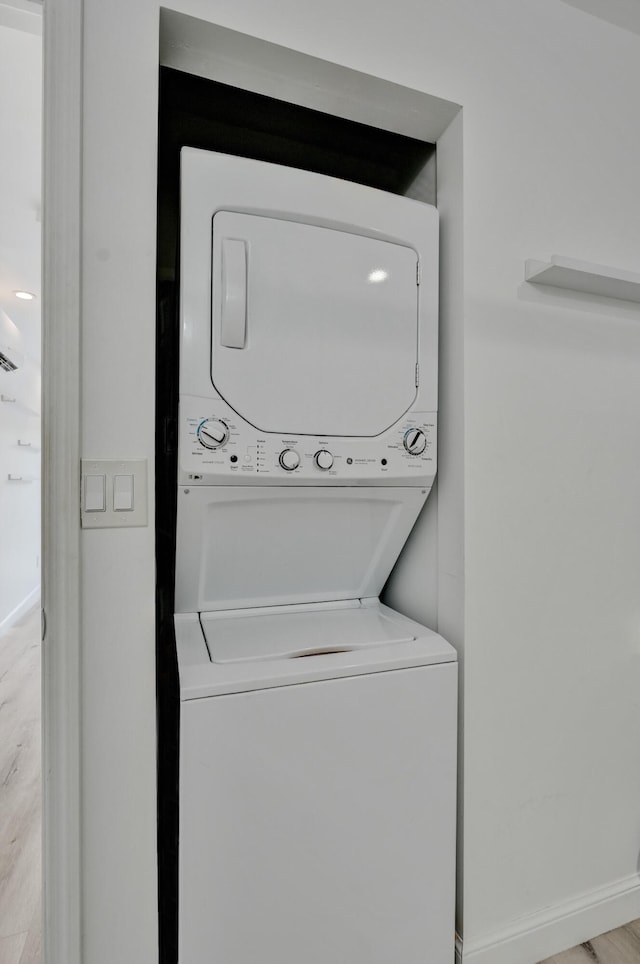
<point>553,462</point>
<point>117,403</point>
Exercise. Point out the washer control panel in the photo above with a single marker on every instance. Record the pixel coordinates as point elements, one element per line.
<point>218,446</point>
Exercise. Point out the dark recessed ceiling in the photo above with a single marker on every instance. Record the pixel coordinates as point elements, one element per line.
<point>198,112</point>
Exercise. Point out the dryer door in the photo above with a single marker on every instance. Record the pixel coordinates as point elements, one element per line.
<point>315,330</point>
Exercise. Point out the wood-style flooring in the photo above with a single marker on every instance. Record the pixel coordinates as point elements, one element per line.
<point>621,946</point>
<point>20,884</point>
<point>20,834</point>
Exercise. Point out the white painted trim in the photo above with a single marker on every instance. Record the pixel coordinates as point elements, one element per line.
<point>61,480</point>
<point>30,600</point>
<point>210,50</point>
<point>450,480</point>
<point>555,929</point>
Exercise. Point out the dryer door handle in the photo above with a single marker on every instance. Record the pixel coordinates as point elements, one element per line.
<point>233,321</point>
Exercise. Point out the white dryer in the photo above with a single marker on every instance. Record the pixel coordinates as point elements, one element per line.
<point>318,727</point>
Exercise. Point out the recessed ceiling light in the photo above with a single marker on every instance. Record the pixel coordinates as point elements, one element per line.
<point>25,295</point>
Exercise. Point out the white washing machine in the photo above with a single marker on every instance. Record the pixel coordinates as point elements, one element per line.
<point>317,726</point>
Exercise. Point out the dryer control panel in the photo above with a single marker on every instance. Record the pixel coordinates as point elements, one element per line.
<point>219,447</point>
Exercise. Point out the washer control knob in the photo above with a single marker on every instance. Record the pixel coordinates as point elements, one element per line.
<point>212,433</point>
<point>289,459</point>
<point>415,441</point>
<point>323,459</point>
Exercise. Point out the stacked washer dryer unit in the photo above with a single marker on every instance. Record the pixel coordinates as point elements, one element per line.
<point>318,726</point>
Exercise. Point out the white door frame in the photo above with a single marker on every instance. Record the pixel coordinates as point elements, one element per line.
<point>61,484</point>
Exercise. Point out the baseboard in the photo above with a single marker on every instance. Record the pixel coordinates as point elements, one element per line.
<point>20,610</point>
<point>555,929</point>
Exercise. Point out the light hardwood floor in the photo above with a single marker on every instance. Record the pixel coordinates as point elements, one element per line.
<point>20,885</point>
<point>621,946</point>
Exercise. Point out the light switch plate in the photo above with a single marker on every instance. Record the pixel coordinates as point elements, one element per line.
<point>112,518</point>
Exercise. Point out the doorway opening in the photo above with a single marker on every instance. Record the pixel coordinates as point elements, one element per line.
<point>20,471</point>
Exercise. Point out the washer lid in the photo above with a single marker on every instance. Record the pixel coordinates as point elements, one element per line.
<point>314,330</point>
<point>294,635</point>
<point>413,646</point>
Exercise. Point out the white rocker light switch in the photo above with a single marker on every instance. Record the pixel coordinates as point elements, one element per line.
<point>123,493</point>
<point>94,493</point>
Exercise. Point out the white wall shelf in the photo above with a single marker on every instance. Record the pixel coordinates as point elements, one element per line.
<point>593,279</point>
<point>18,405</point>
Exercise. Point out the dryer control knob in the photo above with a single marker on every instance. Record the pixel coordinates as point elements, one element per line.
<point>212,433</point>
<point>415,441</point>
<point>323,459</point>
<point>289,459</point>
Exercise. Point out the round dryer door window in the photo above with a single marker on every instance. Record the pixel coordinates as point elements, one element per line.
<point>314,330</point>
